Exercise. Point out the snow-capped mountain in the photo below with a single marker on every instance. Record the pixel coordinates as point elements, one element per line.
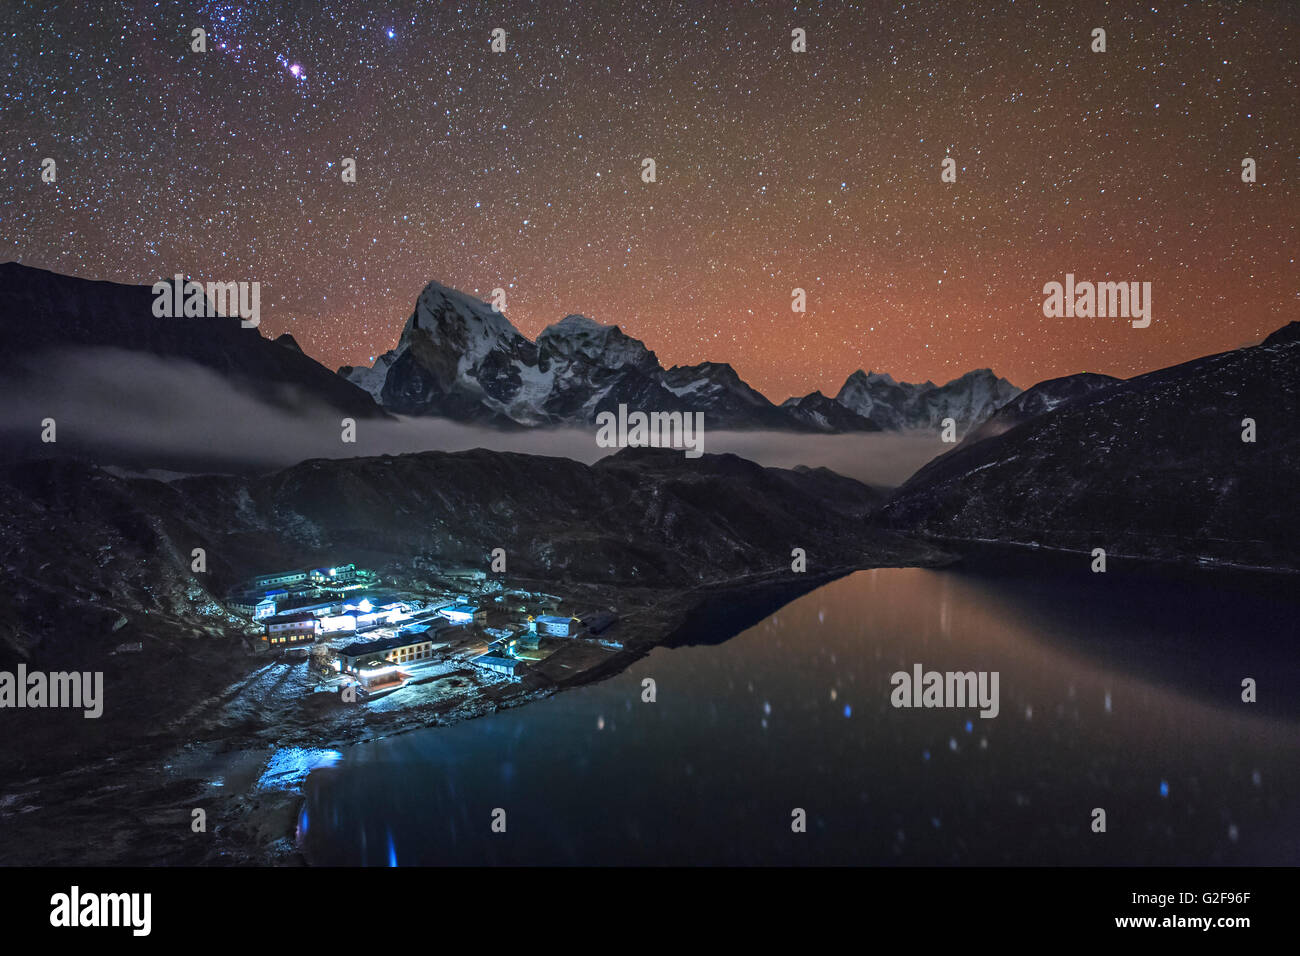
<point>825,414</point>
<point>591,367</point>
<point>578,338</point>
<point>731,403</point>
<point>460,358</point>
<point>892,405</point>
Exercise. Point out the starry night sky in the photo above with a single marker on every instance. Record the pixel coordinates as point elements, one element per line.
<point>775,170</point>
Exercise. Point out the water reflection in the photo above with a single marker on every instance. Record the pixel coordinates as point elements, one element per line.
<point>1114,701</point>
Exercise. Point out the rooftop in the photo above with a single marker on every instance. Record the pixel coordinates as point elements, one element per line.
<point>491,660</point>
<point>289,618</point>
<point>381,647</point>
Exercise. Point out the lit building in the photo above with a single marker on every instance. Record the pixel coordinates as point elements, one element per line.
<point>338,622</point>
<point>402,649</point>
<point>551,624</point>
<point>380,675</point>
<point>367,615</point>
<point>464,614</point>
<point>341,574</point>
<point>290,628</point>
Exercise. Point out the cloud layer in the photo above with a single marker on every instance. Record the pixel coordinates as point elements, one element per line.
<point>147,413</point>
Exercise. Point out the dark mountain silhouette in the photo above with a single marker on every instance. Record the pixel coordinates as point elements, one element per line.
<point>42,312</point>
<point>1153,466</point>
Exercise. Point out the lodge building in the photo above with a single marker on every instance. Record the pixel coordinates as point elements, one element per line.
<point>551,624</point>
<point>283,629</point>
<point>402,649</point>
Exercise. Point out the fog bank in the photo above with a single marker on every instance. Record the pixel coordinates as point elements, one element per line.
<point>147,413</point>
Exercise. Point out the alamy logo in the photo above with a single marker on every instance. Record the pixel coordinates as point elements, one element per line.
<point>73,909</point>
<point>949,689</point>
<point>58,689</point>
<point>1102,300</point>
<point>653,430</point>
<point>178,298</point>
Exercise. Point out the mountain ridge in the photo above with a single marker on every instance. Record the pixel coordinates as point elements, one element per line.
<point>1190,463</point>
<point>43,311</point>
<point>579,367</point>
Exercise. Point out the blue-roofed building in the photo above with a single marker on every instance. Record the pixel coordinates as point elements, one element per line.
<point>505,666</point>
<point>552,624</point>
<point>464,614</point>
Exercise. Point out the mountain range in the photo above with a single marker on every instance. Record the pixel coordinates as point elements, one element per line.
<point>1154,465</point>
<point>458,357</point>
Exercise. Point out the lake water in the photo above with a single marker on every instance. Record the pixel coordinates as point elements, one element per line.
<point>1120,693</point>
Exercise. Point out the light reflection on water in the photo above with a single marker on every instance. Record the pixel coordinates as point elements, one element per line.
<point>1115,694</point>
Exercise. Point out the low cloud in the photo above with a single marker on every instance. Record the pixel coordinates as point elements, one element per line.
<point>159,415</point>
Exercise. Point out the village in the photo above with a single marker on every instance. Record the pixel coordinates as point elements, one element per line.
<point>363,640</point>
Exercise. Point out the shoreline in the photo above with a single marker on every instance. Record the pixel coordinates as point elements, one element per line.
<point>215,762</point>
<point>160,780</point>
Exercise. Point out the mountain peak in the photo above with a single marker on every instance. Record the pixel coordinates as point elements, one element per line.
<point>455,319</point>
<point>718,369</point>
<point>434,290</point>
<point>579,323</point>
<point>606,346</point>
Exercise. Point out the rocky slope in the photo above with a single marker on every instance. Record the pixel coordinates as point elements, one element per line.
<point>1035,401</point>
<point>1153,466</point>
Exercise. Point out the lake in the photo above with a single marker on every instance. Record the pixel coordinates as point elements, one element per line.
<point>1118,692</point>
